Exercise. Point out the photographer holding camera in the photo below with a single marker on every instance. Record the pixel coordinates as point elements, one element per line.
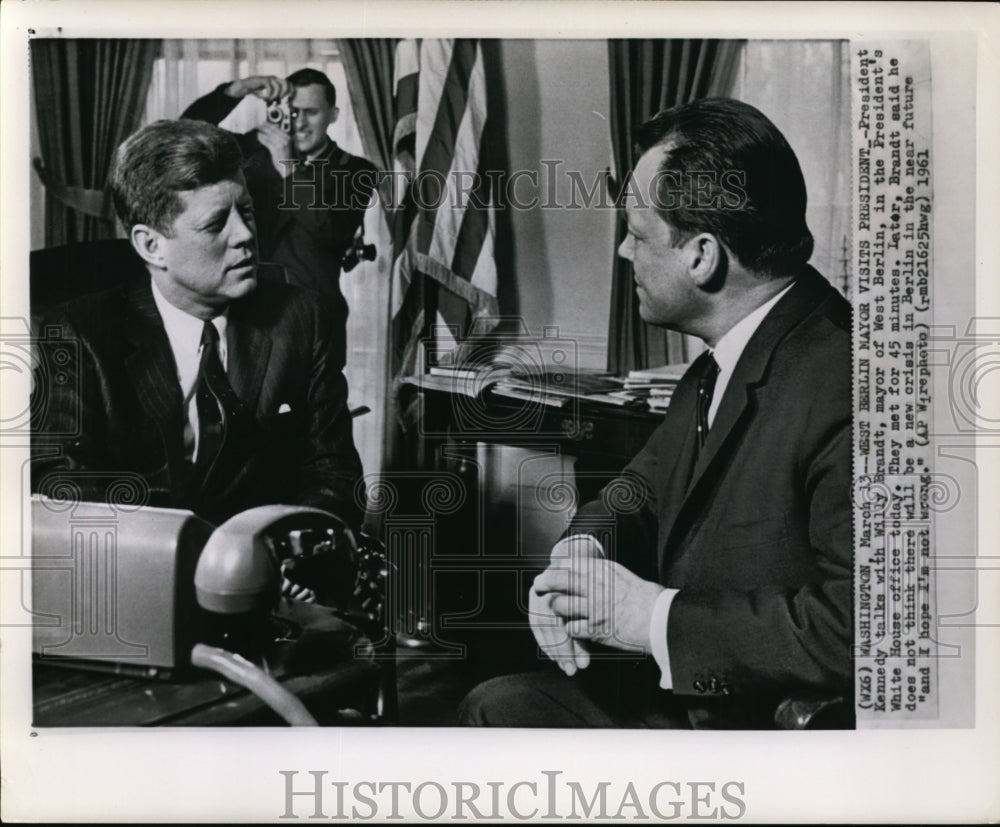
<point>309,195</point>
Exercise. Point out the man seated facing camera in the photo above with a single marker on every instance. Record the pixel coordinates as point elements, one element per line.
<point>721,558</point>
<point>219,392</point>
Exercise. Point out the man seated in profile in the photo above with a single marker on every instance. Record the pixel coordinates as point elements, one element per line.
<point>722,557</point>
<point>220,393</point>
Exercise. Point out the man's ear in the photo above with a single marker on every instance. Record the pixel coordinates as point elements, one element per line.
<point>334,114</point>
<point>146,242</point>
<point>705,258</point>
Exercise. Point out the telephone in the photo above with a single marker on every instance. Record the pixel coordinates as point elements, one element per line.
<point>136,589</point>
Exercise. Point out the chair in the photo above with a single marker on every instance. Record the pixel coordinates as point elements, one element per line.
<point>59,274</point>
<point>814,712</point>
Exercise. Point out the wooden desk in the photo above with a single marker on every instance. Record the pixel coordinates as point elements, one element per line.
<point>461,574</point>
<point>602,438</point>
<point>65,697</point>
<point>329,666</point>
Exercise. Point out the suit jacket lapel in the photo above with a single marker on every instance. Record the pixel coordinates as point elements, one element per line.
<point>153,371</point>
<point>678,454</point>
<point>730,419</point>
<point>249,348</point>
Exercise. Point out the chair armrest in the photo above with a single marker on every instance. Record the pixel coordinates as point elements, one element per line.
<point>814,712</point>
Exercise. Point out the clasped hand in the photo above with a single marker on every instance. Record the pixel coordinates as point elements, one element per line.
<point>582,596</point>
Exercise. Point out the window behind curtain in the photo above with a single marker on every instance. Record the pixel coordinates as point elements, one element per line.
<point>803,87</point>
<point>188,69</point>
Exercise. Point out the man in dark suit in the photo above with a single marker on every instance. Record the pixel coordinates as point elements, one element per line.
<point>310,195</point>
<point>216,392</point>
<point>721,558</point>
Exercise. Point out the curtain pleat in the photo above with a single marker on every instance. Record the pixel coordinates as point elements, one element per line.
<point>647,76</point>
<point>368,65</point>
<point>90,96</point>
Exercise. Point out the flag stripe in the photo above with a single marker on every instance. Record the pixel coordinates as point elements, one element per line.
<point>406,71</point>
<point>475,224</point>
<point>484,277</point>
<point>440,146</point>
<point>454,312</point>
<point>451,109</point>
<point>443,270</point>
<point>465,165</point>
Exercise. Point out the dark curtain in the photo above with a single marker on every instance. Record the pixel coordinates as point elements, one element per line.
<point>646,77</point>
<point>369,66</point>
<point>89,96</point>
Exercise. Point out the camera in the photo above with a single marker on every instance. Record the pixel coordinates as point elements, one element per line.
<point>279,114</point>
<point>358,252</point>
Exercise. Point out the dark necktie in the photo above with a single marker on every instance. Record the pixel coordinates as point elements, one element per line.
<point>215,399</point>
<point>706,387</point>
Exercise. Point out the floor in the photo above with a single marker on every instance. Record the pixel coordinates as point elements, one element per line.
<point>430,689</point>
<point>432,682</point>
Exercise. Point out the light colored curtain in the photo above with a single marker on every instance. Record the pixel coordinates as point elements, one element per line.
<point>803,87</point>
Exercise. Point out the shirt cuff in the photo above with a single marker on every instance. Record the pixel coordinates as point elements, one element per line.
<point>658,635</point>
<point>566,544</point>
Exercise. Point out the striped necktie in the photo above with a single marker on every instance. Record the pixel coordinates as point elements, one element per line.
<point>215,399</point>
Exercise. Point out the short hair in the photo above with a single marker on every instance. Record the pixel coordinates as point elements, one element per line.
<point>753,197</point>
<point>166,157</point>
<point>307,77</point>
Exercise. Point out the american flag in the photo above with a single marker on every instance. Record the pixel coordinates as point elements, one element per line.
<point>444,273</point>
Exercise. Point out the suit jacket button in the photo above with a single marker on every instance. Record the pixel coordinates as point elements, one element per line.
<point>699,686</point>
<point>713,685</point>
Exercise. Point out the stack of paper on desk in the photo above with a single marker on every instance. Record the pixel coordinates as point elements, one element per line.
<point>650,388</point>
<point>655,385</point>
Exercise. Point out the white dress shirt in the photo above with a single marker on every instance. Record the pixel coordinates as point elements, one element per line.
<point>184,334</point>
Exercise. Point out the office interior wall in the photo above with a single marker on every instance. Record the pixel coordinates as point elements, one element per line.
<point>557,109</point>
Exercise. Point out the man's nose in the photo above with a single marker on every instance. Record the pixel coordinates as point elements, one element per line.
<point>625,249</point>
<point>243,231</point>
